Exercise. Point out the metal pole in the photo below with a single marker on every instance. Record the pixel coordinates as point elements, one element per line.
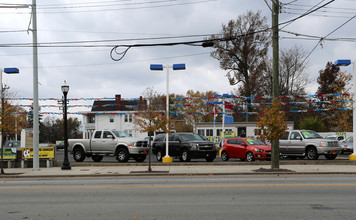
<point>2,108</point>
<point>167,110</point>
<point>353,155</point>
<point>66,164</point>
<point>36,159</point>
<point>275,89</point>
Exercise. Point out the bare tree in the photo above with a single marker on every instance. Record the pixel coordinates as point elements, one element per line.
<point>243,54</point>
<point>293,77</point>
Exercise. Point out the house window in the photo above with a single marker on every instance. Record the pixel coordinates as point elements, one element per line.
<point>209,132</point>
<point>91,119</point>
<point>111,118</point>
<point>218,132</point>
<point>201,132</point>
<point>128,118</point>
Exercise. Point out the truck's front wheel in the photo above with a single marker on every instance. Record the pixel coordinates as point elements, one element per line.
<point>78,154</point>
<point>312,154</point>
<point>122,155</point>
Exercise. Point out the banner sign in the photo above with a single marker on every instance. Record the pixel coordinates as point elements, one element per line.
<point>44,152</point>
<point>9,153</point>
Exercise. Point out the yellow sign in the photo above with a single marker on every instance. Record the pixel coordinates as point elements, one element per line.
<point>44,152</point>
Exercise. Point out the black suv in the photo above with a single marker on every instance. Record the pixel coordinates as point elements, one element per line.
<point>185,146</point>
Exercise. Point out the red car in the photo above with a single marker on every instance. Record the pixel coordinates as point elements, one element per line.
<point>248,149</point>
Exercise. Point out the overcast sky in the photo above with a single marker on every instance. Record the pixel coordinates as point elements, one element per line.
<point>90,71</point>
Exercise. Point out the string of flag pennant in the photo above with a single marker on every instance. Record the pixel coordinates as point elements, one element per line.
<point>227,105</point>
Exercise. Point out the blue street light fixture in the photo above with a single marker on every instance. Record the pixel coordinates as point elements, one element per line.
<point>346,63</point>
<point>167,158</point>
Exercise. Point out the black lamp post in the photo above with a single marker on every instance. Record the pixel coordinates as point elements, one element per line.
<point>66,164</point>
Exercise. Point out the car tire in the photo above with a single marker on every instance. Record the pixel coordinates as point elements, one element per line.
<point>122,155</point>
<point>185,156</point>
<point>250,157</point>
<point>312,154</point>
<point>78,154</point>
<point>224,156</point>
<point>139,158</point>
<point>96,158</point>
<point>330,156</point>
<point>159,155</point>
<point>210,158</point>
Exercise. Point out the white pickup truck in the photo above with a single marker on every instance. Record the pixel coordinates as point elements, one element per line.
<point>108,143</point>
<point>307,143</point>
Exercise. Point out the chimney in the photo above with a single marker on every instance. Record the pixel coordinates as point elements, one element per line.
<point>118,102</point>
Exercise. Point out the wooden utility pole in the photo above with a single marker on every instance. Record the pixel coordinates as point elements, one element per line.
<point>275,87</point>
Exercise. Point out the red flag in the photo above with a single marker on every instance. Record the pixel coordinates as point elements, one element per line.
<point>228,105</point>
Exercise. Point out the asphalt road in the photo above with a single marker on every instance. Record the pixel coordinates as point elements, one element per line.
<point>112,159</point>
<point>208,197</point>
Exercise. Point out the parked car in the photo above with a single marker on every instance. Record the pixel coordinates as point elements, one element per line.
<point>185,146</point>
<point>108,143</point>
<point>301,143</point>
<point>347,145</point>
<point>338,138</point>
<point>12,143</point>
<point>248,149</point>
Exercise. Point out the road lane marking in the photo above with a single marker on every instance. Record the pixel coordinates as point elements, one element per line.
<point>171,187</point>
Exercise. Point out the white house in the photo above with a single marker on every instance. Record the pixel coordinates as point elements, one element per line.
<point>113,114</point>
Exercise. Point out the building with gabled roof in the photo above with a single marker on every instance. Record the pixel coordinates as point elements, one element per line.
<point>112,114</point>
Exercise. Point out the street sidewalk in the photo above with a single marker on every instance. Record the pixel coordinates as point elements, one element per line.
<point>180,170</point>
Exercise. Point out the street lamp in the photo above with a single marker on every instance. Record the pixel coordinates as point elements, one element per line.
<point>66,164</point>
<point>167,158</point>
<point>346,63</point>
<point>8,71</point>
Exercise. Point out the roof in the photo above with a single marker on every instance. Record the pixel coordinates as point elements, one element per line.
<point>113,105</point>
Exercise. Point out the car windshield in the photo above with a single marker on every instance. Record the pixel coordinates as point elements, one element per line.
<point>191,137</point>
<point>121,134</point>
<point>254,142</point>
<point>349,139</point>
<point>311,135</point>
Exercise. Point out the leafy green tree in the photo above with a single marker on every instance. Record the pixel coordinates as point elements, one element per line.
<point>312,123</point>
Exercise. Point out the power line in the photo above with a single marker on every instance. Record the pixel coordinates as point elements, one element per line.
<point>321,39</point>
<point>159,5</point>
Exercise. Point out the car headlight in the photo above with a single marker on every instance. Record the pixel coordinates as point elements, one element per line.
<point>323,143</point>
<point>258,150</point>
<point>132,144</point>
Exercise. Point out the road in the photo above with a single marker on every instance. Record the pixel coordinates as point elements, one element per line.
<point>112,159</point>
<point>206,197</point>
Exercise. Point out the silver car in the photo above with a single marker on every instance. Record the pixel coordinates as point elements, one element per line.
<point>347,145</point>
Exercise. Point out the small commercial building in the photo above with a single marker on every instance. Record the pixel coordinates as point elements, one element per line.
<point>236,129</point>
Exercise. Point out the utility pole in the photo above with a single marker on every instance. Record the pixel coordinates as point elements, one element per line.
<point>275,87</point>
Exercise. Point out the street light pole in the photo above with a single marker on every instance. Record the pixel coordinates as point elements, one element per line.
<point>167,158</point>
<point>9,71</point>
<point>346,63</point>
<point>66,164</point>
